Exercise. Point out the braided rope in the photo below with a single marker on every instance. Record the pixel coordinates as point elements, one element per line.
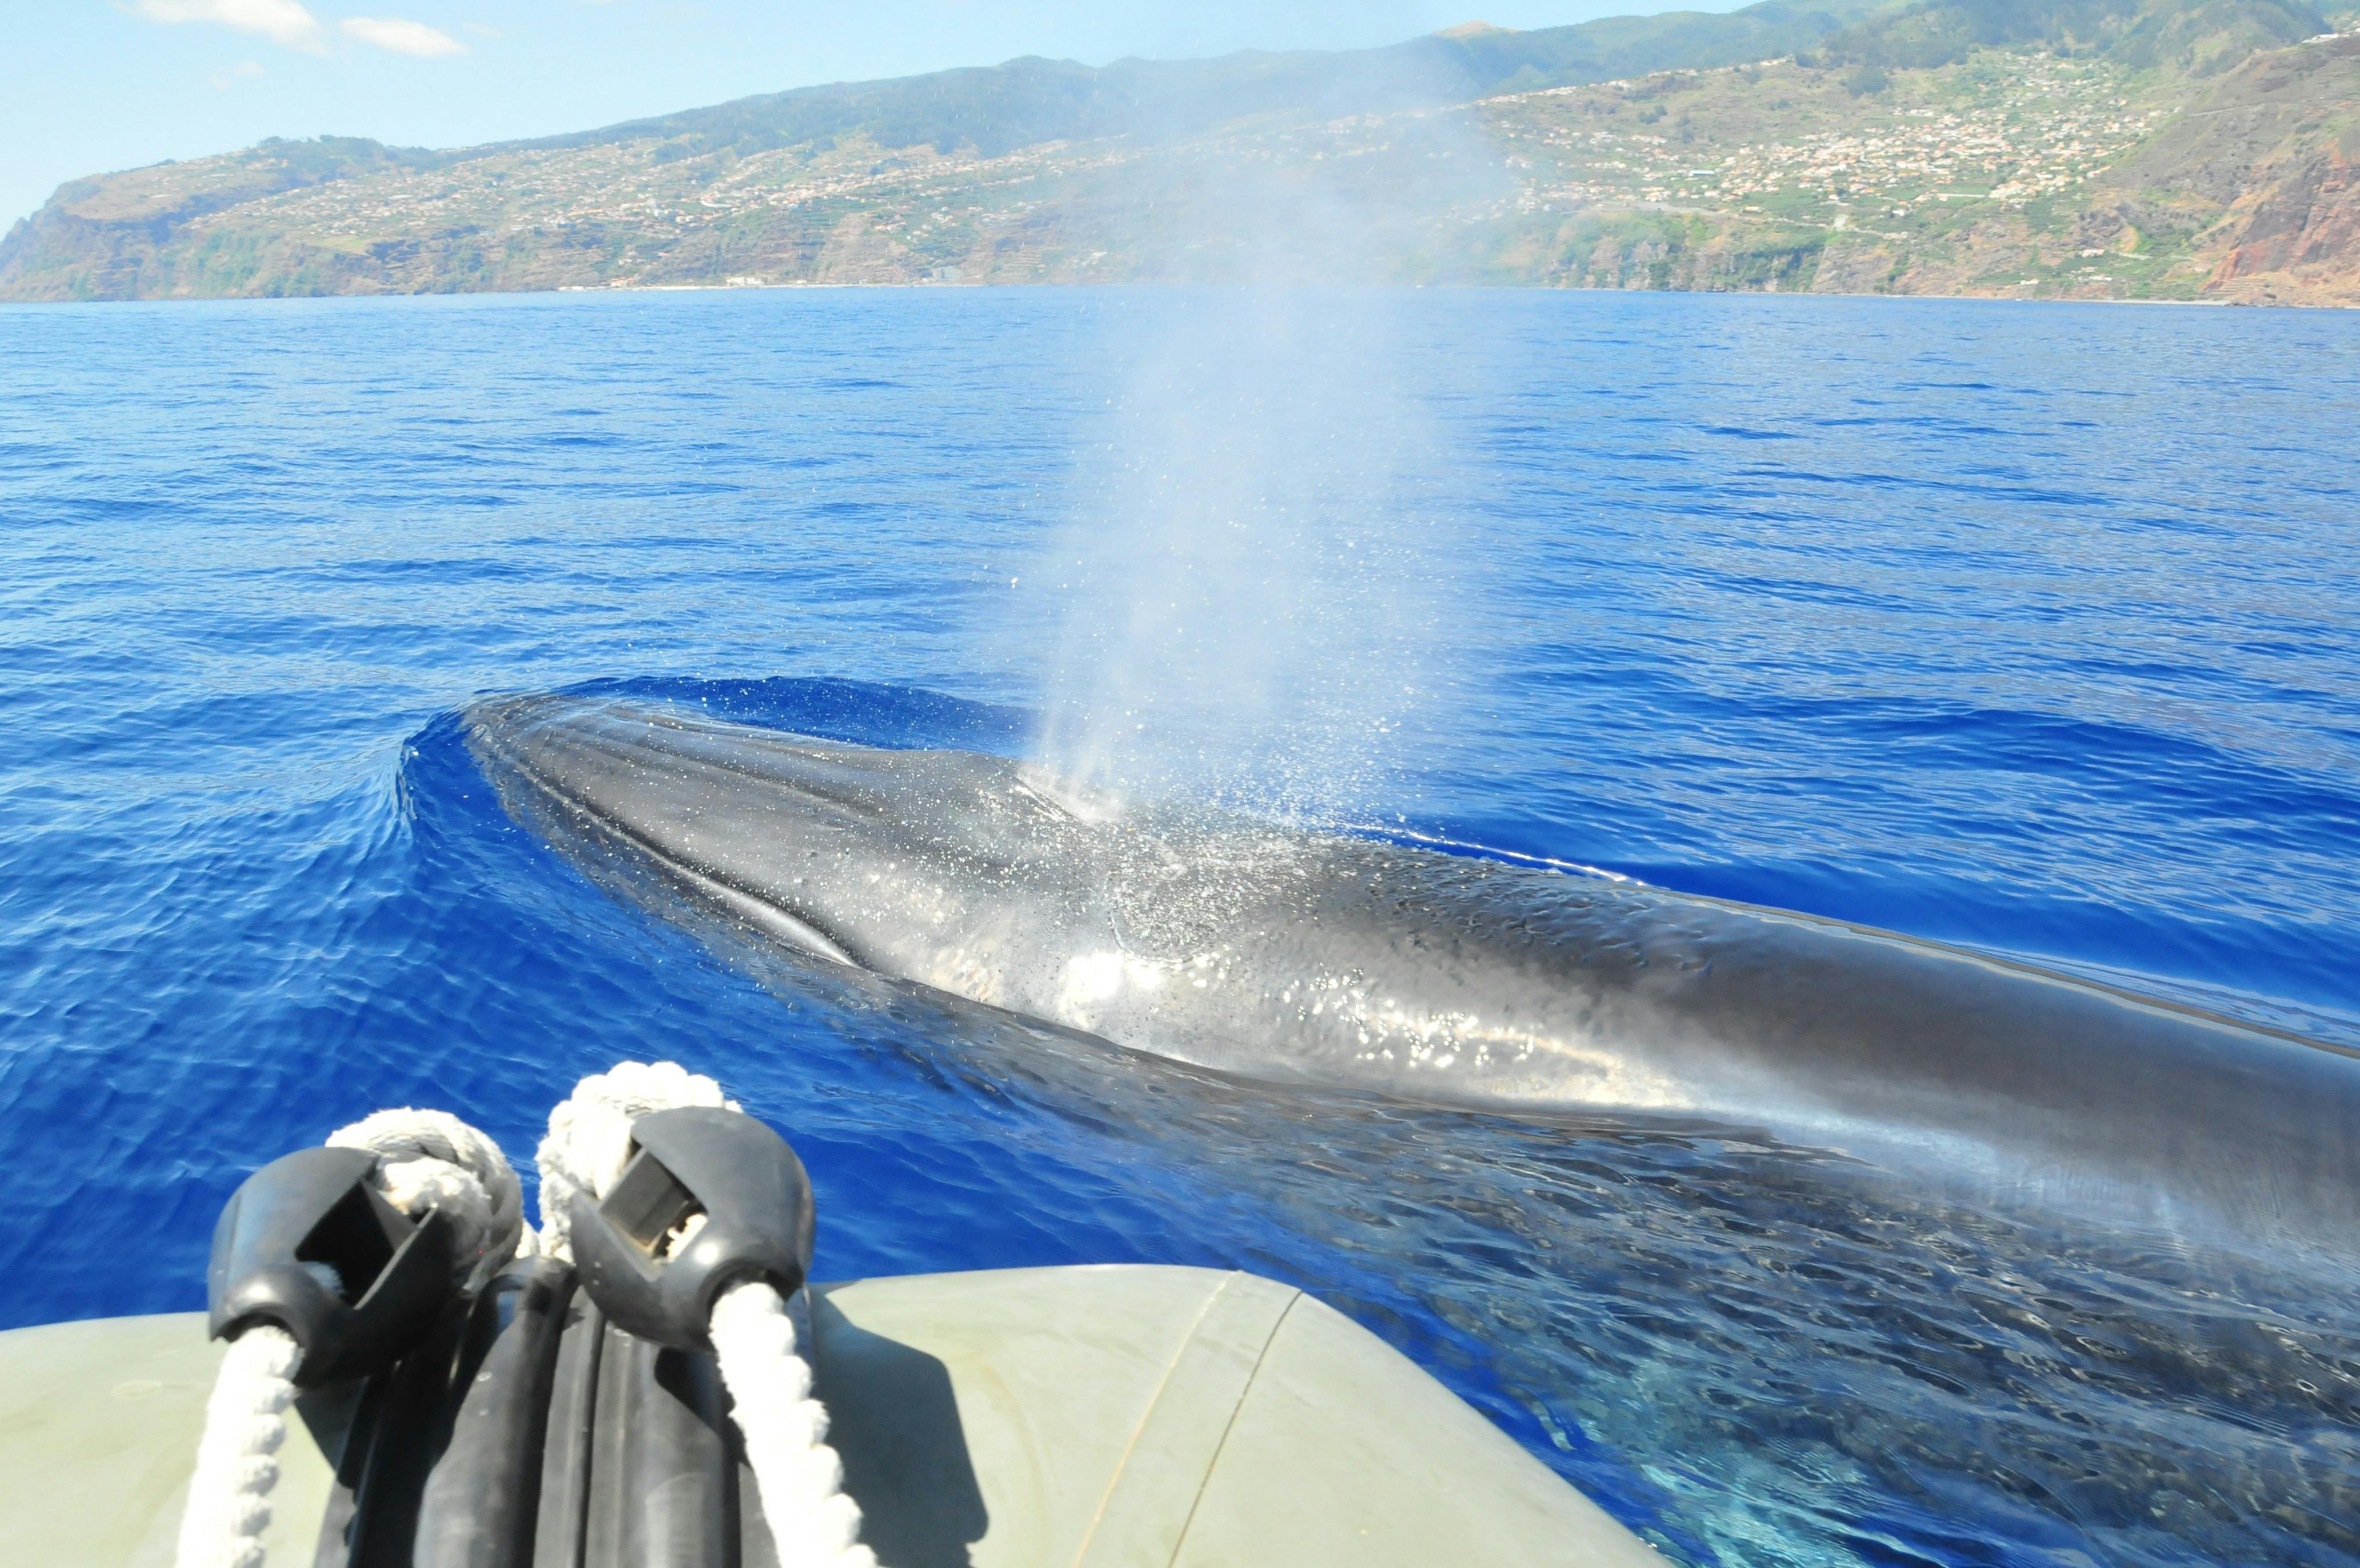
<point>229,1493</point>
<point>589,1136</point>
<point>430,1159</point>
<point>755,1334</point>
<point>426,1159</point>
<point>758,1341</point>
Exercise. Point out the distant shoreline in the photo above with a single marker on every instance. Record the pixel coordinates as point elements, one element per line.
<point>798,286</point>
<point>2013,171</point>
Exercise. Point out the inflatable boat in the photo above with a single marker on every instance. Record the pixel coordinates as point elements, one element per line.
<point>555,1412</point>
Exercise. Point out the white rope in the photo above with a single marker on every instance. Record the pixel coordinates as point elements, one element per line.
<point>430,1159</point>
<point>755,1336</point>
<point>589,1136</point>
<point>426,1159</point>
<point>229,1492</point>
<point>756,1339</point>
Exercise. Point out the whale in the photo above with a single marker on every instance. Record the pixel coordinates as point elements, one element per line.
<point>1287,955</point>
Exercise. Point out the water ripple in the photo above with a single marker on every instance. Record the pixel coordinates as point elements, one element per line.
<point>2024,628</point>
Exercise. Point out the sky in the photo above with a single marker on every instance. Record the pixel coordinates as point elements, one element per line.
<point>88,86</point>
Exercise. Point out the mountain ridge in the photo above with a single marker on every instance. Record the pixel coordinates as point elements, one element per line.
<point>1461,156</point>
<point>1054,100</point>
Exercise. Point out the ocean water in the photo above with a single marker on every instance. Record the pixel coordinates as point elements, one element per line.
<point>2030,628</point>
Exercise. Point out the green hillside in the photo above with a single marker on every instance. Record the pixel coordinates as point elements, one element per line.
<point>2197,37</point>
<point>2084,149</point>
<point>996,109</point>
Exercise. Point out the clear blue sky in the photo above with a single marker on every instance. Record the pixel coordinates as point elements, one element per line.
<point>89,85</point>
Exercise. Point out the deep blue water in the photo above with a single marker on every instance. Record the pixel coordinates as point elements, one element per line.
<point>2026,627</point>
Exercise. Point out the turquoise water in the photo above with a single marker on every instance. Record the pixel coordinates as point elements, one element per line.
<point>2026,627</point>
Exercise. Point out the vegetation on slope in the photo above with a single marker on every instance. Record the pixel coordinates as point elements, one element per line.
<point>2087,148</point>
<point>2198,38</point>
<point>994,110</point>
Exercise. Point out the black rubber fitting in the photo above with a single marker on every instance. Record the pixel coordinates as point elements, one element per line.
<point>386,1275</point>
<point>650,1272</point>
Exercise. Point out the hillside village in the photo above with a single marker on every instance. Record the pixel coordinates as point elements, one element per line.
<point>2015,127</point>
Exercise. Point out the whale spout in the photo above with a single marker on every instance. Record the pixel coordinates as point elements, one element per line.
<point>1283,955</point>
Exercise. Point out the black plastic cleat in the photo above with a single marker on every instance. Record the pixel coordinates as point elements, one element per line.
<point>655,1272</point>
<point>306,1243</point>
